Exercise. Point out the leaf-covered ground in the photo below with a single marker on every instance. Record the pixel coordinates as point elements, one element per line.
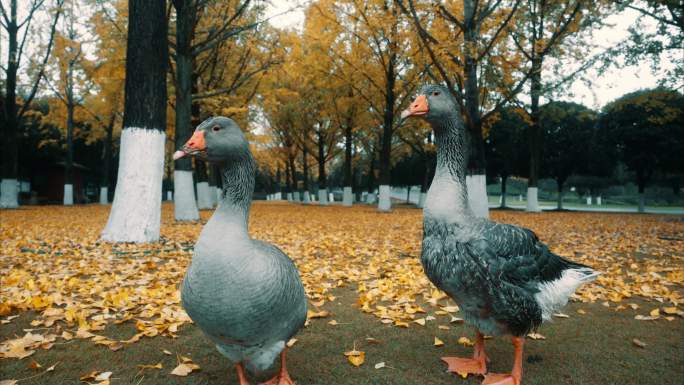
<point>67,299</point>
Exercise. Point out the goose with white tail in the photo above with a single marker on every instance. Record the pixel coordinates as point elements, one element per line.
<point>505,280</point>
<point>244,294</point>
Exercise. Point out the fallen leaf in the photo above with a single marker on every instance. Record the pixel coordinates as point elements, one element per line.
<point>465,341</point>
<point>536,336</point>
<point>184,369</point>
<point>638,343</point>
<point>355,357</point>
<point>168,353</point>
<point>379,365</point>
<point>34,365</point>
<point>8,382</point>
<point>655,312</point>
<point>581,311</point>
<point>561,315</point>
<point>156,366</point>
<point>670,310</point>
<point>332,323</point>
<point>310,314</point>
<point>103,376</point>
<point>291,342</point>
<point>438,342</point>
<point>373,341</point>
<point>420,321</point>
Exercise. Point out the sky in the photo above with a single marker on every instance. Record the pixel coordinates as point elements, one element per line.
<point>613,84</point>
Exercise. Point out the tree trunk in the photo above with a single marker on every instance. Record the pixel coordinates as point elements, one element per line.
<point>534,136</point>
<point>107,160</point>
<point>68,198</point>
<point>560,183</point>
<point>641,182</point>
<point>476,181</point>
<point>348,197</point>
<point>279,187</point>
<point>306,195</point>
<point>185,206</point>
<point>322,179</point>
<point>9,192</point>
<point>504,179</point>
<point>293,177</point>
<point>136,212</point>
<point>385,203</point>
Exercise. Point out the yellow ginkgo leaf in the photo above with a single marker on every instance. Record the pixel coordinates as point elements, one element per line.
<point>355,357</point>
<point>438,342</point>
<point>465,341</point>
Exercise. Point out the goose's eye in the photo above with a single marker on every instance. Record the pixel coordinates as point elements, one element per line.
<point>436,93</point>
<point>215,128</point>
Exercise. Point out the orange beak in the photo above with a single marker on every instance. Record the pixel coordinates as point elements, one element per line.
<point>419,107</point>
<point>194,146</point>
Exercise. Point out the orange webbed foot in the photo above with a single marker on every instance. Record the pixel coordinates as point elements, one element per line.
<point>279,380</point>
<point>500,379</point>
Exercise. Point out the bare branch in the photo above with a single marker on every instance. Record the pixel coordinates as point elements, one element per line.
<point>41,72</point>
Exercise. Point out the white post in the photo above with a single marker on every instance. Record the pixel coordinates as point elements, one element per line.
<point>371,198</point>
<point>295,196</point>
<point>184,204</point>
<point>68,198</point>
<point>9,194</point>
<point>347,197</point>
<point>423,197</point>
<point>331,197</point>
<point>136,211</point>
<point>323,196</point>
<point>104,195</point>
<point>598,200</point>
<point>203,198</point>
<point>477,195</point>
<point>279,196</point>
<point>532,200</point>
<point>307,197</point>
<point>385,201</point>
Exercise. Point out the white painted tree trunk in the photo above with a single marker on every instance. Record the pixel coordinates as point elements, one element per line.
<point>477,195</point>
<point>184,204</point>
<point>217,196</point>
<point>203,197</point>
<point>289,197</point>
<point>532,200</point>
<point>68,198</point>
<point>278,196</point>
<point>642,202</point>
<point>384,203</point>
<point>331,197</point>
<point>371,198</point>
<point>323,196</point>
<point>421,200</point>
<point>104,195</point>
<point>169,195</point>
<point>598,200</point>
<point>307,197</point>
<point>347,197</point>
<point>136,211</point>
<point>9,194</point>
<point>295,196</point>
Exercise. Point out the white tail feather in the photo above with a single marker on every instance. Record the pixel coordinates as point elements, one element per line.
<point>553,295</point>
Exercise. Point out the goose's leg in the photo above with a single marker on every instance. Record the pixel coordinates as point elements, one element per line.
<point>241,374</point>
<point>283,377</point>
<point>515,376</point>
<point>466,366</point>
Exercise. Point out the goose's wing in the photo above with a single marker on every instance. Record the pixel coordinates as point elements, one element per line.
<point>520,257</point>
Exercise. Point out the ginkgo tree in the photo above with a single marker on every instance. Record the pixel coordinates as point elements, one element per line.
<point>374,41</point>
<point>68,80</point>
<point>16,105</point>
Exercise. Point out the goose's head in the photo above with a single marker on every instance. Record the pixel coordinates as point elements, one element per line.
<point>217,139</point>
<point>435,104</point>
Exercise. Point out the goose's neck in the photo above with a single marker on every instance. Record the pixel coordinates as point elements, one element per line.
<point>230,220</point>
<point>447,198</point>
